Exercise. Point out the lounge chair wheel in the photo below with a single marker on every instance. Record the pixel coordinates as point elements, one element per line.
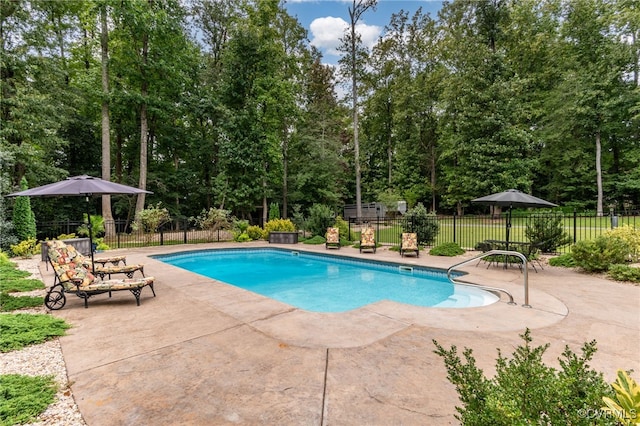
<point>55,299</point>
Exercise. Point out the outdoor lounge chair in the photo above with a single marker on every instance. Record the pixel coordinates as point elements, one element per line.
<point>76,278</point>
<point>409,243</point>
<point>368,239</point>
<point>333,238</point>
<point>99,265</point>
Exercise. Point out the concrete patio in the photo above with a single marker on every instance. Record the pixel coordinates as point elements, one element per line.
<point>204,353</point>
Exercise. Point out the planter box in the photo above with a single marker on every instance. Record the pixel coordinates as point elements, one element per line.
<point>82,245</point>
<point>283,237</point>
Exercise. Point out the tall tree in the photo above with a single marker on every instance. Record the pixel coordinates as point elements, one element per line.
<point>590,91</point>
<point>488,145</point>
<point>352,64</point>
<point>106,125</point>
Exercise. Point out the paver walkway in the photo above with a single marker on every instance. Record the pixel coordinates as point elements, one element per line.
<point>207,353</point>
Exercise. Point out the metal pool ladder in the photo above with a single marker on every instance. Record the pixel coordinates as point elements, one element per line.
<point>484,287</point>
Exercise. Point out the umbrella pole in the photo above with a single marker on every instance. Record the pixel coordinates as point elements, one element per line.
<point>508,226</point>
<point>93,267</point>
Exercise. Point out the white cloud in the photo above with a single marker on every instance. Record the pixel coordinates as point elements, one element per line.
<point>328,30</point>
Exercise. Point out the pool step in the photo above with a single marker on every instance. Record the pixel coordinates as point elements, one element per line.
<point>470,297</point>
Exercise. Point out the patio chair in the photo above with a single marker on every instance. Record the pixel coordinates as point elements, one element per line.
<point>368,239</point>
<point>99,265</point>
<point>531,251</point>
<point>409,243</point>
<point>333,238</point>
<point>485,246</point>
<point>75,278</point>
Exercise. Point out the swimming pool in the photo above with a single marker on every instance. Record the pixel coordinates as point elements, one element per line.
<point>327,283</point>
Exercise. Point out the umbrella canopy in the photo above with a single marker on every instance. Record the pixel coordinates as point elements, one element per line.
<point>513,198</point>
<point>80,186</point>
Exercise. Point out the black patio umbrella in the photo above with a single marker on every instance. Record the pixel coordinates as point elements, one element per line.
<point>80,186</point>
<point>513,198</point>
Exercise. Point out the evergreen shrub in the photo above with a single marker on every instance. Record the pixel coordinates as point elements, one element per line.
<point>423,223</point>
<point>624,273</point>
<point>525,391</point>
<point>447,249</point>
<point>24,221</point>
<point>320,218</point>
<point>599,254</point>
<point>274,211</point>
<point>548,231</point>
<point>565,260</point>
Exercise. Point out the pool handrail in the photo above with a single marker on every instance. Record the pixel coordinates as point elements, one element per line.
<point>484,287</point>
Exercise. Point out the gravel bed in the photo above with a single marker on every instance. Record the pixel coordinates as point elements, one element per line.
<point>44,359</point>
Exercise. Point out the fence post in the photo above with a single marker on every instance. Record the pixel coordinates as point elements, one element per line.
<point>186,225</point>
<point>575,225</point>
<point>454,226</point>
<point>349,236</point>
<point>118,239</point>
<point>161,237</point>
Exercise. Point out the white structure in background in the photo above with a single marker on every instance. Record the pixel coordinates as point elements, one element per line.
<point>375,210</point>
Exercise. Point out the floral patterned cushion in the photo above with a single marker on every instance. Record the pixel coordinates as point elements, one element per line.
<point>333,235</point>
<point>409,241</point>
<point>64,254</point>
<point>114,285</point>
<point>368,237</point>
<point>68,264</point>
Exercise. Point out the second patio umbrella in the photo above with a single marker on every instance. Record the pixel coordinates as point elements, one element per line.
<point>513,198</point>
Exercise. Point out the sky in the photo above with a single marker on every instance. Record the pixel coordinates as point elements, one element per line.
<point>325,20</point>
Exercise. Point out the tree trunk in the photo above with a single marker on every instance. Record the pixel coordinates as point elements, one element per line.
<point>265,207</point>
<point>144,132</point>
<point>285,177</point>
<point>354,106</point>
<point>109,225</point>
<point>599,211</point>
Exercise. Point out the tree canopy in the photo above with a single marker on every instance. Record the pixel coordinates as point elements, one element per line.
<point>225,104</point>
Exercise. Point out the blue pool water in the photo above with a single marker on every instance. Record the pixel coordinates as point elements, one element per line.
<point>327,283</point>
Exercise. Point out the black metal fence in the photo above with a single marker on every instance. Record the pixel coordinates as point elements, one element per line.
<point>466,230</point>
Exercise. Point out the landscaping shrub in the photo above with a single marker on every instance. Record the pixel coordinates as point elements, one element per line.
<point>525,391</point>
<point>151,219</point>
<point>20,330</point>
<point>447,249</point>
<point>24,221</point>
<point>7,229</point>
<point>24,249</point>
<point>97,226</point>
<point>256,233</point>
<point>320,218</point>
<point>274,211</point>
<point>626,405</point>
<point>12,303</point>
<point>23,398</point>
<point>548,231</point>
<point>213,220</point>
<point>316,239</point>
<point>597,255</point>
<point>423,223</point>
<point>564,260</point>
<point>298,218</point>
<point>631,236</point>
<point>20,284</point>
<point>279,225</point>
<point>343,227</point>
<point>624,273</point>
